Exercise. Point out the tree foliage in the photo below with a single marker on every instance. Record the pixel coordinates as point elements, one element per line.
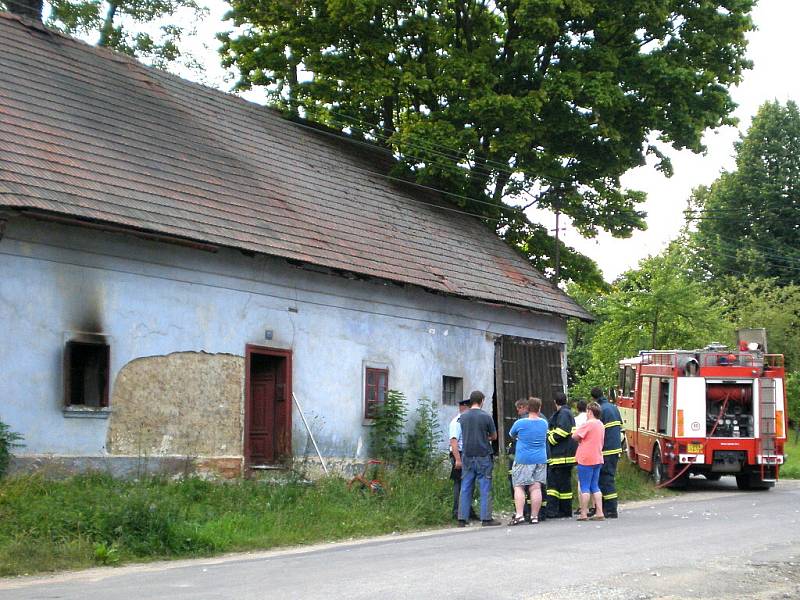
<point>748,221</point>
<point>763,303</point>
<point>658,306</point>
<point>549,100</point>
<point>145,29</point>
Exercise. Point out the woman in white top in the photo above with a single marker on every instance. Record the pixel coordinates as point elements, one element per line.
<point>580,418</point>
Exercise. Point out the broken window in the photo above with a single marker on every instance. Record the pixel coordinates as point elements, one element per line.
<point>452,390</point>
<point>86,369</point>
<point>376,382</point>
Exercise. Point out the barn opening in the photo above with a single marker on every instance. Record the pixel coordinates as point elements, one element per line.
<point>523,368</point>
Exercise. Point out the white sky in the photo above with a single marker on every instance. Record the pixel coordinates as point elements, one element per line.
<point>774,76</point>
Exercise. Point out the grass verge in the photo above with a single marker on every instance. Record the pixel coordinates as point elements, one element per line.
<point>94,519</point>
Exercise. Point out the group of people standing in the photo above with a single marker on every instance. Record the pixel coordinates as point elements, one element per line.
<point>544,452</point>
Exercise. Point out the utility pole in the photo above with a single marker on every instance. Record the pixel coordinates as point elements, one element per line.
<point>558,249</point>
<point>559,196</point>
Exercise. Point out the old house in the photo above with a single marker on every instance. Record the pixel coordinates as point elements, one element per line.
<point>180,270</point>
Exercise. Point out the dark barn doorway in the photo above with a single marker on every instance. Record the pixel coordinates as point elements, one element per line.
<point>523,368</point>
<point>268,406</point>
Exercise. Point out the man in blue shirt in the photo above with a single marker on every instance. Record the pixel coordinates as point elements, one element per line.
<point>477,433</point>
<point>530,461</point>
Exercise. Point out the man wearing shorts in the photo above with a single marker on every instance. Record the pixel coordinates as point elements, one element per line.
<point>530,461</point>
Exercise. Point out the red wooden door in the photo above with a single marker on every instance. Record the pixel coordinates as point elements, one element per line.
<point>262,422</point>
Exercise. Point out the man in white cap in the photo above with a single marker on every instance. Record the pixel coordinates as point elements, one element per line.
<point>456,447</point>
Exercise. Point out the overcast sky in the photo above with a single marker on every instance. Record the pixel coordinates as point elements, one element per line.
<point>773,49</point>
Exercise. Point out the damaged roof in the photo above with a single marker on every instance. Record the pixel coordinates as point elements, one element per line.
<point>91,134</point>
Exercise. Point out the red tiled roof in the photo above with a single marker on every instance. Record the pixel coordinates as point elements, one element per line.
<point>92,134</point>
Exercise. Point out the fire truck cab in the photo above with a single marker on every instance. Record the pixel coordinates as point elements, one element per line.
<point>711,412</point>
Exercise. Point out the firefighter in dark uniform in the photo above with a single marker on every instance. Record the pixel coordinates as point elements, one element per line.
<point>612,450</point>
<point>561,459</point>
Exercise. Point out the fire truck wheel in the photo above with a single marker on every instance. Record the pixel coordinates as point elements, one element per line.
<point>751,481</point>
<point>658,467</point>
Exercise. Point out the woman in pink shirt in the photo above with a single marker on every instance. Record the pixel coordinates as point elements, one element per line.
<point>590,437</point>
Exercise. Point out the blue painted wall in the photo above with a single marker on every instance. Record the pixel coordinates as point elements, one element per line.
<point>154,299</point>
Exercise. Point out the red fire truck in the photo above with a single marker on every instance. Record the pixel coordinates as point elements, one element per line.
<point>711,412</point>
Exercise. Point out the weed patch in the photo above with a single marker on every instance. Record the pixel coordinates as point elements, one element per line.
<point>97,520</point>
<point>791,469</point>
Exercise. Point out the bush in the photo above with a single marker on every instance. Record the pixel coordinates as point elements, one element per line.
<point>386,433</point>
<point>422,443</point>
<point>8,441</point>
<point>793,397</point>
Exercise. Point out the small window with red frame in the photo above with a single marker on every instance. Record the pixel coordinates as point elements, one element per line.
<point>376,383</point>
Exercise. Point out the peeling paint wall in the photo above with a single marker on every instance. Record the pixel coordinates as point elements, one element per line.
<point>187,403</point>
<point>177,322</point>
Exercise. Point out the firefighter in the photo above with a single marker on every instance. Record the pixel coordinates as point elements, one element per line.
<point>561,460</point>
<point>612,449</point>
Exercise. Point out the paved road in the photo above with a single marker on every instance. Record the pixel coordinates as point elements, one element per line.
<point>711,542</point>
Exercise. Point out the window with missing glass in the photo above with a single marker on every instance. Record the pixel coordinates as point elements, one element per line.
<point>86,372</point>
<point>452,390</point>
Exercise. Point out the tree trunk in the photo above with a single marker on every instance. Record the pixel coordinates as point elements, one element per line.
<point>654,337</point>
<point>292,77</point>
<point>108,26</point>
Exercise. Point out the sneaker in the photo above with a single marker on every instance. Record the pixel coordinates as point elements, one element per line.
<point>490,523</point>
<point>461,523</point>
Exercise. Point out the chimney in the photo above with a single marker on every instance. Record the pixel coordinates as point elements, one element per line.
<point>32,9</point>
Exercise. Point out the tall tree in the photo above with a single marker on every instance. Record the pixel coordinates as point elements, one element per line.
<point>145,29</point>
<point>748,221</point>
<point>659,305</point>
<point>762,303</point>
<point>549,100</point>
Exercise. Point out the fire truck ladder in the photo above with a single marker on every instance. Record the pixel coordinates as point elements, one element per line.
<point>766,427</point>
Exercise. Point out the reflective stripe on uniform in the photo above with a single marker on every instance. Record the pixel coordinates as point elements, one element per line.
<point>612,452</point>
<point>610,496</point>
<point>613,424</point>
<point>553,492</point>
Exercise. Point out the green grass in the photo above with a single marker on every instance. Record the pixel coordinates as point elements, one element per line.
<point>791,469</point>
<point>94,519</point>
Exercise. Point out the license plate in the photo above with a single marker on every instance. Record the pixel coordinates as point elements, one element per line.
<point>694,448</point>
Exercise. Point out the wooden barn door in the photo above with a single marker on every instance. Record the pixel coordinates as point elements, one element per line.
<point>523,368</point>
<point>268,411</point>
